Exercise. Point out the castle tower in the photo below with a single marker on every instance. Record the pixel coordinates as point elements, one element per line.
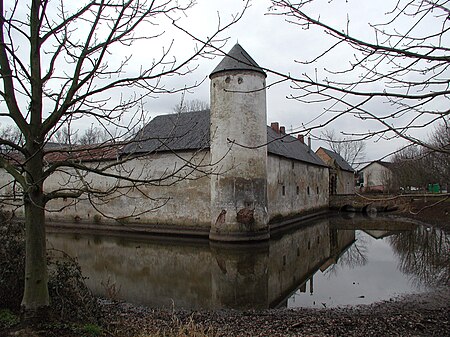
<point>238,149</point>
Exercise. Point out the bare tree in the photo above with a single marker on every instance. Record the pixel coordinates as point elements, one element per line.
<point>416,166</point>
<point>353,151</point>
<point>94,135</point>
<point>397,80</point>
<point>190,106</point>
<point>440,161</point>
<point>58,65</point>
<point>11,134</point>
<point>409,170</point>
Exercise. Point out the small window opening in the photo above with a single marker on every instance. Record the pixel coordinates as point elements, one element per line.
<point>283,190</point>
<point>307,190</point>
<point>298,190</point>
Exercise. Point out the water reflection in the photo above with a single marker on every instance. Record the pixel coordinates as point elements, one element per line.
<point>200,274</point>
<point>424,255</point>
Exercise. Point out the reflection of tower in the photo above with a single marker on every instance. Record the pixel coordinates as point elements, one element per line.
<point>238,148</point>
<point>239,276</point>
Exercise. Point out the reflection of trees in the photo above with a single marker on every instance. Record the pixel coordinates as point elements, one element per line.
<point>424,254</point>
<point>354,256</point>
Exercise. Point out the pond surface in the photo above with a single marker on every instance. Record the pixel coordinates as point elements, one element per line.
<point>323,263</point>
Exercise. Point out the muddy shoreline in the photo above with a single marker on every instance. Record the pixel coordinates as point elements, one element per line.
<point>413,315</point>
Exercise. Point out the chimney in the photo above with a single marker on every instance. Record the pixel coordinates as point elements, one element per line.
<point>301,138</point>
<point>275,127</point>
<point>309,144</point>
<point>282,130</point>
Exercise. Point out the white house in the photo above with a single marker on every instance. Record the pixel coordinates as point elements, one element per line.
<point>377,176</point>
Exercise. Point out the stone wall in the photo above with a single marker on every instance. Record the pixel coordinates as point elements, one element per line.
<point>345,182</point>
<point>177,195</point>
<point>295,187</point>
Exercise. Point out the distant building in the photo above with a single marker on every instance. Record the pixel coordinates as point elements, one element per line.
<point>377,176</point>
<point>342,175</point>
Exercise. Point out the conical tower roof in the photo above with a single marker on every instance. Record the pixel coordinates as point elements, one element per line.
<point>237,59</point>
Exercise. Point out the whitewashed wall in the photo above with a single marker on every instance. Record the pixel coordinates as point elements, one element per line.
<point>297,178</point>
<point>376,176</point>
<point>185,202</point>
<point>178,200</point>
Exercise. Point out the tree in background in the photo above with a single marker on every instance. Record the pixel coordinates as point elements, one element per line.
<point>353,151</point>
<point>409,168</point>
<point>397,80</point>
<point>440,160</point>
<point>190,106</point>
<point>9,134</point>
<point>417,166</point>
<point>58,64</point>
<point>94,135</point>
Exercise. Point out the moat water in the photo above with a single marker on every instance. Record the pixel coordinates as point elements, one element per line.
<point>323,263</point>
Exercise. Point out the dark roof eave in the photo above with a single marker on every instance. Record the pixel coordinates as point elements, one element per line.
<point>240,70</point>
<point>297,160</point>
<point>148,153</point>
<point>207,148</point>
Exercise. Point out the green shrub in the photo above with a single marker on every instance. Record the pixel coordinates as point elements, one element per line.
<point>12,264</point>
<point>91,330</point>
<point>70,299</point>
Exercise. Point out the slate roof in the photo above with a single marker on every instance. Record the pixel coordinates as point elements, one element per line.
<point>190,131</point>
<point>341,162</point>
<point>237,59</point>
<point>290,147</point>
<point>174,132</point>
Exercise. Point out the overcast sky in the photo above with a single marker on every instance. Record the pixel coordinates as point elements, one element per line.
<point>274,44</point>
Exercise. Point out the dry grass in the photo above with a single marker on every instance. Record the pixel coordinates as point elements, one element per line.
<point>187,329</point>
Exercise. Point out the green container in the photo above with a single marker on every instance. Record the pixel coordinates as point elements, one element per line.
<point>434,188</point>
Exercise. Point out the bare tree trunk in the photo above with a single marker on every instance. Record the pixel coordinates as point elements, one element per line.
<point>35,302</point>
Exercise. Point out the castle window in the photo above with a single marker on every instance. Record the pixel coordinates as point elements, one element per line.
<point>283,190</point>
<point>293,164</point>
<point>298,190</point>
<point>307,190</point>
<point>317,189</point>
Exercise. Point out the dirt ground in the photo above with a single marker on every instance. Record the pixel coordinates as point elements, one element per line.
<point>435,211</point>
